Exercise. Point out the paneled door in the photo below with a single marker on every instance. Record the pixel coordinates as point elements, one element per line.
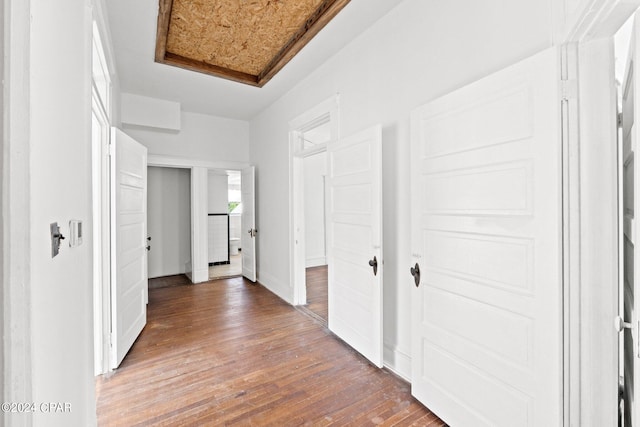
<point>354,241</point>
<point>129,285</point>
<point>248,236</point>
<point>487,241</point>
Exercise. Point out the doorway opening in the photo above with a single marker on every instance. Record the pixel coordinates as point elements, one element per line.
<point>315,242</point>
<point>604,179</point>
<point>100,176</point>
<point>169,226</point>
<point>224,224</point>
<point>309,135</point>
<point>626,104</point>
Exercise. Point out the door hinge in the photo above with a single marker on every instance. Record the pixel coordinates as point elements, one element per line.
<point>568,89</point>
<point>112,150</point>
<point>619,120</point>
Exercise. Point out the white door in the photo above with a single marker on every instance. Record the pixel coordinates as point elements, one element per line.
<point>630,182</point>
<point>129,285</point>
<point>248,235</point>
<point>486,228</point>
<point>354,241</point>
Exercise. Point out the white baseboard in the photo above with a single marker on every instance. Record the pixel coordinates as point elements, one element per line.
<point>279,288</point>
<point>316,262</point>
<point>397,361</point>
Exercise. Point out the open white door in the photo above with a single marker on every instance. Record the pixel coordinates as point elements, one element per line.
<point>487,238</point>
<point>248,235</point>
<point>129,284</point>
<point>630,186</point>
<point>354,241</point>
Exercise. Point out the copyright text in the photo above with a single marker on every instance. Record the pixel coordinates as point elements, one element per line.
<point>32,407</point>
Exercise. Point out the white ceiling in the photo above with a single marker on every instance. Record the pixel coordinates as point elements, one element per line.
<point>133,32</point>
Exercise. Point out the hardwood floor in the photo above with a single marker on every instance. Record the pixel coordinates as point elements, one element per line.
<point>168,281</point>
<point>229,352</point>
<point>224,271</point>
<point>317,295</point>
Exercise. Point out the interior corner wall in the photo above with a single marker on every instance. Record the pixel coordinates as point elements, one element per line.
<point>59,191</point>
<point>315,169</point>
<point>218,192</point>
<point>418,51</point>
<point>202,137</point>
<point>168,220</point>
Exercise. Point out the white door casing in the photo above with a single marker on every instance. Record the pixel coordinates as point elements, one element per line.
<point>129,285</point>
<point>630,200</point>
<point>249,232</point>
<point>354,238</point>
<point>486,233</point>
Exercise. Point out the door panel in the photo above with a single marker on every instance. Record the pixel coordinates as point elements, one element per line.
<point>249,232</point>
<point>486,219</point>
<point>354,237</point>
<point>129,285</point>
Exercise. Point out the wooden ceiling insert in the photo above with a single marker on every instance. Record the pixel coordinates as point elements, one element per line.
<point>247,41</point>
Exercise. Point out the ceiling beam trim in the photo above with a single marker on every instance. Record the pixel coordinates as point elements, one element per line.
<point>320,17</point>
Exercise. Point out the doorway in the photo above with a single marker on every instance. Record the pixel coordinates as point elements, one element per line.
<point>315,242</point>
<point>625,57</point>
<point>224,223</point>
<point>169,225</point>
<point>593,223</point>
<point>309,135</point>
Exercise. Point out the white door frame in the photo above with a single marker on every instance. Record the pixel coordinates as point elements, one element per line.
<point>100,191</point>
<point>299,230</point>
<point>297,154</point>
<point>199,170</point>
<point>101,241</point>
<point>590,211</point>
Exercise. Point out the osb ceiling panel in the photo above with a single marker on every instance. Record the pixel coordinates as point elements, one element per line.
<point>242,40</point>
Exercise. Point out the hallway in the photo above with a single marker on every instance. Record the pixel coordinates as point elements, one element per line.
<point>229,352</point>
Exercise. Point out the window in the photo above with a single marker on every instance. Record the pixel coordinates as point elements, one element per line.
<point>100,73</point>
<point>313,129</point>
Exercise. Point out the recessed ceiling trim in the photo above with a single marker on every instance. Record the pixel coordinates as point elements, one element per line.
<point>214,70</point>
<point>325,11</point>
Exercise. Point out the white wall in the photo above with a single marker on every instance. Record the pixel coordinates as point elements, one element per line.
<point>202,137</point>
<point>168,220</point>
<point>60,190</point>
<point>218,190</point>
<point>315,168</point>
<point>149,112</point>
<point>3,378</point>
<point>418,51</point>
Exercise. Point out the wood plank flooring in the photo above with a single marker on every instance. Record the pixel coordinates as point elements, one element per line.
<point>224,271</point>
<point>317,294</point>
<point>168,281</point>
<point>229,352</point>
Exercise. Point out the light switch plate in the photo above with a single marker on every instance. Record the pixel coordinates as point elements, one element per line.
<point>55,238</point>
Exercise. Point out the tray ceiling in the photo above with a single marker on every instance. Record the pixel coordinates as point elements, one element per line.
<point>247,41</point>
